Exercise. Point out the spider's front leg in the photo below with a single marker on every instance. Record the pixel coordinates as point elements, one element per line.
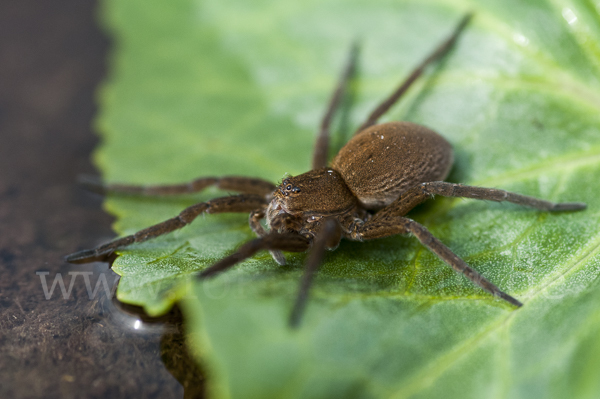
<point>240,184</point>
<point>238,203</point>
<point>291,242</point>
<point>328,236</point>
<point>399,225</point>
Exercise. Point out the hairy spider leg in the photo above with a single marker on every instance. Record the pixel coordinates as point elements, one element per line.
<point>322,144</point>
<point>389,221</point>
<point>423,191</point>
<point>238,204</point>
<point>291,242</point>
<point>400,225</point>
<point>327,237</point>
<point>439,52</point>
<point>240,184</point>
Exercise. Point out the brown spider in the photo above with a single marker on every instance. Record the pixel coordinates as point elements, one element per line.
<point>382,173</point>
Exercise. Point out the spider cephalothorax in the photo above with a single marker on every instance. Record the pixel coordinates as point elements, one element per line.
<point>382,173</point>
<point>369,173</point>
<point>300,202</point>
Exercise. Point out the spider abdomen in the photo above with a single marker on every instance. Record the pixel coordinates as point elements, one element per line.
<point>384,160</point>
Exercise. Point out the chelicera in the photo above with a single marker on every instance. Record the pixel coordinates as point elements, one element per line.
<point>382,173</point>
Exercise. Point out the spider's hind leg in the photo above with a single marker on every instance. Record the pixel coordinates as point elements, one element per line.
<point>322,144</point>
<point>425,191</point>
<point>399,225</point>
<point>439,52</point>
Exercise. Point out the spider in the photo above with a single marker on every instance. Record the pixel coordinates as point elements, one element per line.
<point>383,172</point>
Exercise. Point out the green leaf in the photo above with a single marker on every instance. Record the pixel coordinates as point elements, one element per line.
<point>215,87</point>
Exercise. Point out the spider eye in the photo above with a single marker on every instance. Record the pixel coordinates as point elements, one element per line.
<point>296,190</point>
<point>289,187</point>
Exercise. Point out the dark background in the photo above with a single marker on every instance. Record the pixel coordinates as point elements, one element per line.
<point>53,55</point>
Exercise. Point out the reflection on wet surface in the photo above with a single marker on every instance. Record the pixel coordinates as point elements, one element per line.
<point>73,341</point>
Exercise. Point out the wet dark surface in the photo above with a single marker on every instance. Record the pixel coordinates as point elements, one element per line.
<point>52,57</point>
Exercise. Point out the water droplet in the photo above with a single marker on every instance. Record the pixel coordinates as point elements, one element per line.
<point>520,39</point>
<point>569,15</point>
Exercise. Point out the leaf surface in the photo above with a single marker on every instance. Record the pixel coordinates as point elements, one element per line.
<point>211,87</point>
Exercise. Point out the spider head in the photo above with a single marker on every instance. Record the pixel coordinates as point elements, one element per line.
<point>320,192</point>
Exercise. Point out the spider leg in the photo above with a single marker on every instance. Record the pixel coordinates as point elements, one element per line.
<point>424,191</point>
<point>327,237</point>
<point>322,143</point>
<point>238,203</point>
<point>245,185</point>
<point>439,52</point>
<point>399,225</point>
<point>254,221</point>
<point>290,242</point>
